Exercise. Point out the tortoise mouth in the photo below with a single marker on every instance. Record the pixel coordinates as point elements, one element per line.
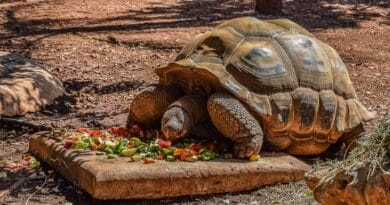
<point>174,129</point>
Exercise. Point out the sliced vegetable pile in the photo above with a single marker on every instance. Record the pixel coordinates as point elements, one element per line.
<point>27,161</point>
<point>122,142</point>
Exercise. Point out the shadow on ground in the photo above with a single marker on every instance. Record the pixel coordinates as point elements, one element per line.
<point>188,13</point>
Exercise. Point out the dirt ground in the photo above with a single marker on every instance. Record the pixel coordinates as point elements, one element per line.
<point>104,51</point>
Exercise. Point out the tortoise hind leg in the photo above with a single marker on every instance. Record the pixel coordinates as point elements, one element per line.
<point>234,121</point>
<point>148,107</point>
<point>346,143</point>
<point>350,138</point>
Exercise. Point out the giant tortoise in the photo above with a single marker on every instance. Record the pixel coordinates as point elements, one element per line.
<point>255,80</point>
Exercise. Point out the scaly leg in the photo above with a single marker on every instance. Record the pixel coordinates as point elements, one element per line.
<point>234,121</point>
<point>149,105</point>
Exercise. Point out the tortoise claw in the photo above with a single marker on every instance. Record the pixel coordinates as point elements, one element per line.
<point>245,149</point>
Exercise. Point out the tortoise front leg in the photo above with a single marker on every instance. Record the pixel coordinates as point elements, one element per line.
<point>148,107</point>
<point>234,121</point>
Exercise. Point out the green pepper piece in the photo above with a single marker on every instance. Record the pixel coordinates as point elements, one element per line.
<point>205,158</point>
<point>136,140</point>
<point>167,151</point>
<point>170,158</point>
<point>136,158</point>
<point>111,156</point>
<point>100,153</point>
<point>109,143</point>
<point>88,143</point>
<point>207,154</point>
<point>79,144</point>
<point>128,152</point>
<point>34,164</point>
<point>154,147</point>
<point>201,151</point>
<point>109,150</point>
<point>121,146</point>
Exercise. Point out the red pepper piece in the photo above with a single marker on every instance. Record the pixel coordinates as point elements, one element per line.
<point>194,152</point>
<point>83,130</point>
<point>94,133</point>
<point>68,144</point>
<point>196,147</point>
<point>163,143</point>
<point>94,147</point>
<point>121,131</point>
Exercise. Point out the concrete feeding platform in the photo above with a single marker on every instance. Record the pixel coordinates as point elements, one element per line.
<point>120,179</point>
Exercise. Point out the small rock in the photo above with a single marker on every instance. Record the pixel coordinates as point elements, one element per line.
<point>226,201</point>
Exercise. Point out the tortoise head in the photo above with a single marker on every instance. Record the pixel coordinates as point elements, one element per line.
<point>176,123</point>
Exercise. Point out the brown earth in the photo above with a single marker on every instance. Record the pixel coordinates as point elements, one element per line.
<point>105,51</point>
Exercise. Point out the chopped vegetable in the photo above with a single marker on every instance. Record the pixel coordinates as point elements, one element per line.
<point>128,152</point>
<point>79,144</point>
<point>154,147</point>
<point>120,131</point>
<point>34,164</point>
<point>136,158</point>
<point>68,144</point>
<point>25,162</point>
<point>254,157</point>
<point>109,150</point>
<point>121,146</point>
<point>94,133</point>
<point>196,146</point>
<point>111,156</point>
<point>167,151</point>
<point>94,147</point>
<point>136,141</point>
<point>82,130</point>
<point>163,143</point>
<point>193,158</point>
<point>148,147</point>
<point>170,158</point>
<point>148,160</point>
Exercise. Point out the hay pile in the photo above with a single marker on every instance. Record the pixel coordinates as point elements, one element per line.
<point>363,177</point>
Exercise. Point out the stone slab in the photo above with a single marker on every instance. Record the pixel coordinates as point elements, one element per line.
<point>120,179</point>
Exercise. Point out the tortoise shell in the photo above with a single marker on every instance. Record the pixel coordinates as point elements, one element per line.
<point>296,84</point>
